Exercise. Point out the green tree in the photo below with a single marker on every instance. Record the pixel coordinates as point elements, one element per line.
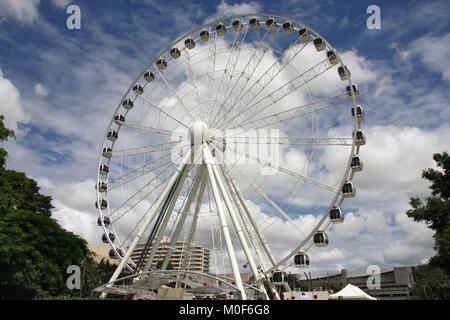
<point>35,250</point>
<point>433,280</point>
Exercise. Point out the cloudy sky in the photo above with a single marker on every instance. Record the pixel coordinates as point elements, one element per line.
<point>59,89</point>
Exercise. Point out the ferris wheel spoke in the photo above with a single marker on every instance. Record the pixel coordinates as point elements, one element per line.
<point>258,53</point>
<point>162,111</point>
<point>140,171</point>
<point>230,67</point>
<point>174,93</point>
<point>147,128</point>
<point>327,141</point>
<point>211,64</point>
<point>278,94</point>
<point>247,97</point>
<point>143,150</point>
<point>282,169</point>
<point>137,199</point>
<point>191,76</point>
<point>293,113</point>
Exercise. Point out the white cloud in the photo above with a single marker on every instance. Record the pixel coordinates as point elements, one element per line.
<point>433,52</point>
<point>11,105</point>
<point>24,11</point>
<point>41,90</point>
<point>61,3</point>
<point>224,9</point>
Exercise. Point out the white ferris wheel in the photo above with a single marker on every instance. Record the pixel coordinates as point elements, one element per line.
<point>243,137</point>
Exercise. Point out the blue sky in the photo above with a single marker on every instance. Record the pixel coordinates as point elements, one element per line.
<point>61,88</point>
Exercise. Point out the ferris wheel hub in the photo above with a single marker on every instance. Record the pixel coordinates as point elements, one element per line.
<point>197,132</point>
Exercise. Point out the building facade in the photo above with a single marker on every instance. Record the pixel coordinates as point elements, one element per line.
<point>197,260</point>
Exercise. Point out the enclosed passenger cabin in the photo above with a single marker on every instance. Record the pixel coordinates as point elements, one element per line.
<point>237,25</point>
<point>107,152</point>
<point>336,215</point>
<point>352,91</point>
<point>112,135</point>
<point>348,190</point>
<point>119,119</point>
<point>103,204</point>
<point>113,255</point>
<point>149,76</point>
<point>359,112</point>
<point>128,104</point>
<point>106,221</point>
<point>320,239</point>
<point>279,277</point>
<point>357,164</point>
<point>332,57</point>
<point>111,237</point>
<point>271,24</point>
<point>288,27</point>
<point>360,139</point>
<point>319,44</point>
<point>161,64</point>
<point>254,23</point>
<point>189,43</point>
<point>301,260</point>
<point>221,29</point>
<point>303,33</point>
<point>101,187</point>
<point>138,89</point>
<point>175,53</point>
<point>344,73</point>
<point>204,35</point>
<point>103,170</point>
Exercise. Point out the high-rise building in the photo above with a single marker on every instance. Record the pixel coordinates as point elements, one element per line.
<point>197,260</point>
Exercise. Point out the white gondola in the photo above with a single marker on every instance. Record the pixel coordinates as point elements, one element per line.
<point>161,64</point>
<point>359,112</point>
<point>111,237</point>
<point>352,91</point>
<point>137,88</point>
<point>221,29</point>
<point>237,25</point>
<point>101,186</point>
<point>149,76</point>
<point>254,23</point>
<point>204,35</point>
<point>106,221</point>
<point>119,119</point>
<point>344,73</point>
<point>303,33</point>
<point>175,53</point>
<point>360,139</point>
<point>103,170</point>
<point>128,104</point>
<point>271,24</point>
<point>320,239</point>
<point>112,135</point>
<point>107,152</point>
<point>279,277</point>
<point>288,28</point>
<point>301,260</point>
<point>348,190</point>
<point>189,43</point>
<point>357,164</point>
<point>336,215</point>
<point>319,44</point>
<point>332,58</point>
<point>103,204</point>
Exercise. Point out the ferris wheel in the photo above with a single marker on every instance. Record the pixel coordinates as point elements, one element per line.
<point>242,137</point>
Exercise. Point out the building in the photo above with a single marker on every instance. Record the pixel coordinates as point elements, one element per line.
<point>396,284</point>
<point>101,252</point>
<point>198,259</point>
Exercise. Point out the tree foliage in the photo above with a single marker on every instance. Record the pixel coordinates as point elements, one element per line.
<point>433,280</point>
<point>35,250</point>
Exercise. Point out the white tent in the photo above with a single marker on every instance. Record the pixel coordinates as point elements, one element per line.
<point>350,292</point>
